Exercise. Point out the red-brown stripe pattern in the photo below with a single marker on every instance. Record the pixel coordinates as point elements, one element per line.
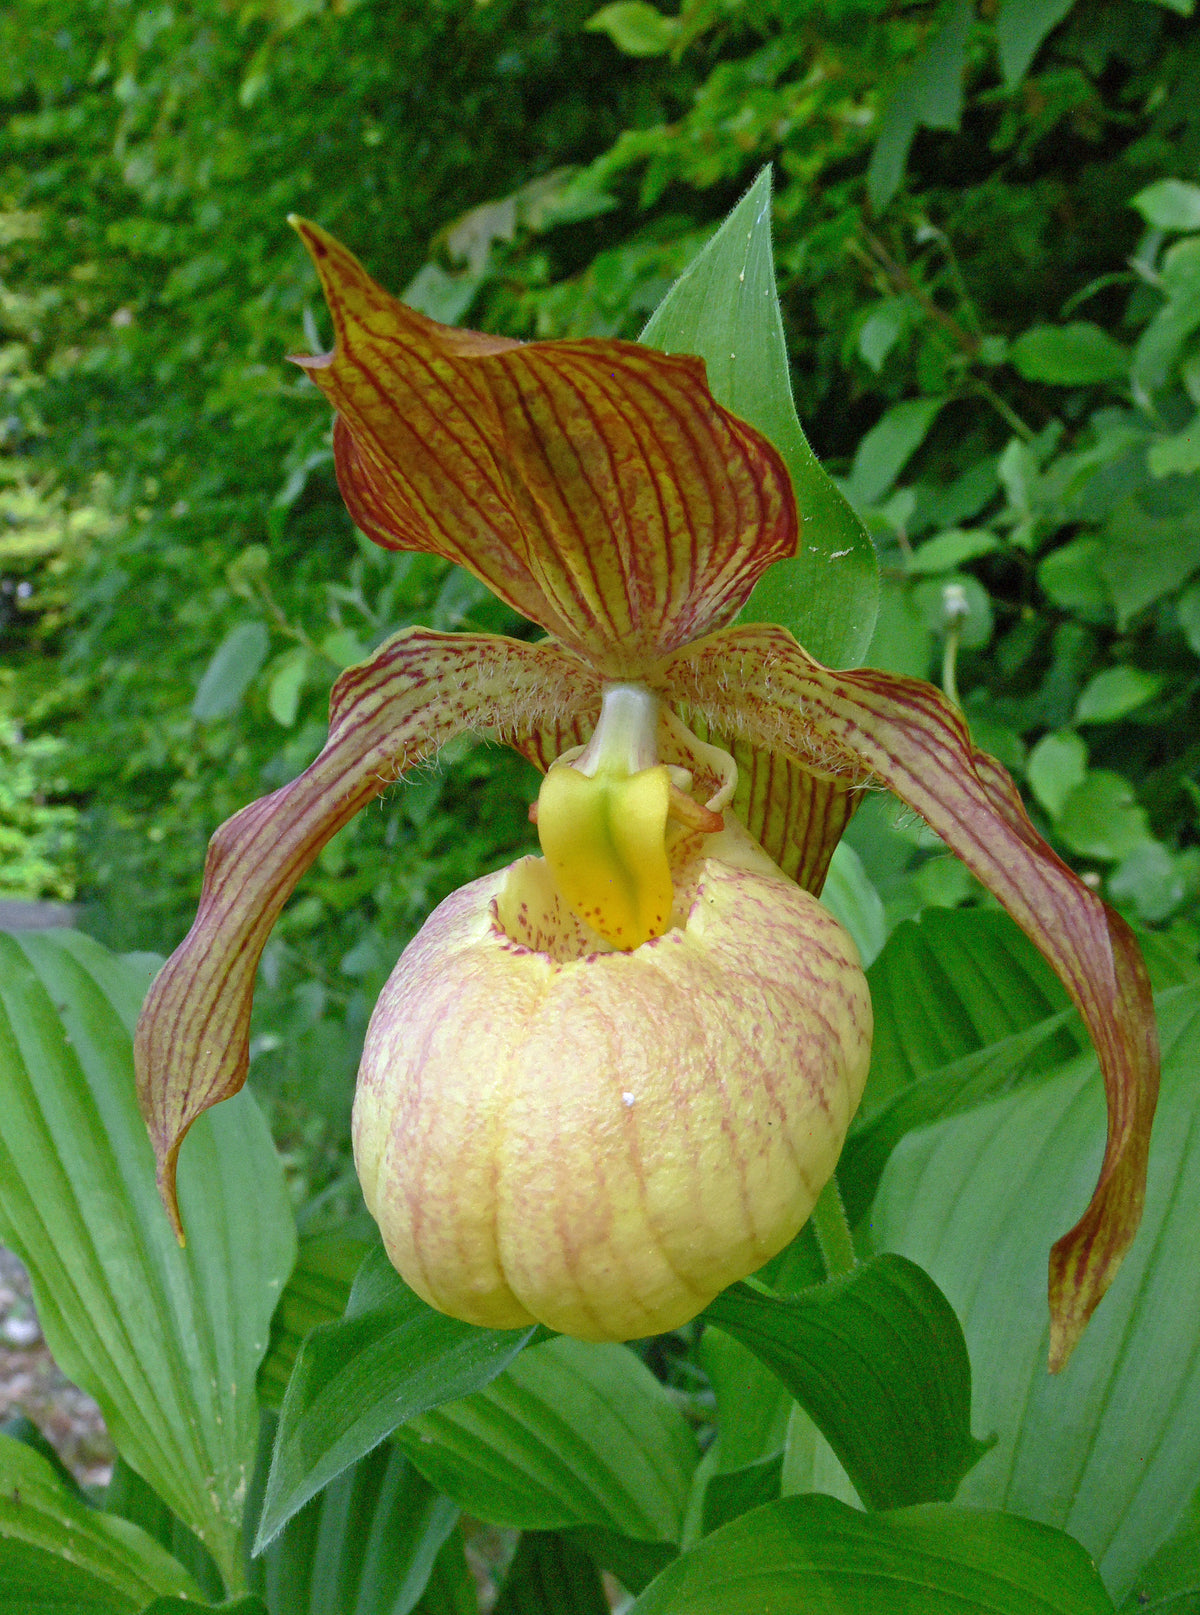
<point>757,682</point>
<point>595,486</point>
<point>416,692</point>
<point>796,816</point>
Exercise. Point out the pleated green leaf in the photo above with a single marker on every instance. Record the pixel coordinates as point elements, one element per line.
<point>569,1434</point>
<point>54,1547</point>
<point>551,1575</point>
<point>391,1357</point>
<point>451,1589</point>
<point>753,1404</point>
<point>949,984</point>
<point>732,1492</point>
<point>983,1074</point>
<point>1110,1449</point>
<point>316,1293</point>
<point>233,1606</point>
<point>168,1341</point>
<point>725,308</point>
<point>815,1556</point>
<point>877,1361</point>
<point>366,1545</point>
<point>634,1563</point>
<point>128,1495</point>
<point>1170,1582</point>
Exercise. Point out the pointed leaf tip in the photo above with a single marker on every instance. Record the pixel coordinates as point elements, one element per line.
<point>725,307</point>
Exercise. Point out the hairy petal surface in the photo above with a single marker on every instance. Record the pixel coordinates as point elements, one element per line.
<point>596,486</point>
<point>904,734</point>
<point>393,710</point>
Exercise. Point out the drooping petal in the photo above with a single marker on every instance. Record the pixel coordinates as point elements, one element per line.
<point>417,691</point>
<point>904,734</point>
<point>594,485</point>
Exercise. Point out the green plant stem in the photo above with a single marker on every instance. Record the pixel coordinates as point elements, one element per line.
<point>950,665</point>
<point>1007,414</point>
<point>833,1231</point>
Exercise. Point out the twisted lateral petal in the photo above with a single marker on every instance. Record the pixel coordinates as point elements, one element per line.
<point>757,681</point>
<point>596,486</point>
<point>417,691</point>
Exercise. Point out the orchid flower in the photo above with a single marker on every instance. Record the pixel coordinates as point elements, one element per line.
<point>604,1083</point>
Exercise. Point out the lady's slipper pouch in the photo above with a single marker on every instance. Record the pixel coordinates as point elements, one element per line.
<point>605,1083</point>
<point>551,1127</point>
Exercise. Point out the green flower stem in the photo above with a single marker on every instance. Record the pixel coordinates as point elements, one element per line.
<point>950,666</point>
<point>833,1231</point>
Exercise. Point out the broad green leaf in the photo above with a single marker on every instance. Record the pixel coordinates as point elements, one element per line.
<point>635,27</point>
<point>634,1563</point>
<point>1188,611</point>
<point>1177,455</point>
<point>1110,1449</point>
<point>810,1463</point>
<point>287,683</point>
<point>234,1606</point>
<point>888,447</point>
<point>950,549</point>
<point>100,1558</point>
<point>901,642</point>
<point>1155,880</point>
<point>570,1434</point>
<point>1102,817</point>
<point>235,663</point>
<point>316,1293</point>
<point>128,1495</point>
<point>551,1575</point>
<point>390,1358</point>
<point>365,1546</point>
<point>984,1074</point>
<point>884,327</point>
<point>948,984</point>
<point>731,1492</point>
<point>1075,355</point>
<point>1071,577</point>
<point>1021,26</point>
<point>1144,557</point>
<point>443,296</point>
<point>752,1402</point>
<point>876,1358</point>
<point>1161,343</point>
<point>451,1589</point>
<point>168,1341</point>
<point>1169,204</point>
<point>930,93</point>
<point>34,1581</point>
<point>1057,764</point>
<point>1169,1584</point>
<point>19,1428</point>
<point>1116,691</point>
<point>725,308</point>
<point>813,1556</point>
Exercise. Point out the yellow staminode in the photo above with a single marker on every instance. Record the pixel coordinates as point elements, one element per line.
<point>605,838</point>
<point>602,821</point>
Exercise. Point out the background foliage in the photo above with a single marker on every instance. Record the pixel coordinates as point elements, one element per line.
<point>987,225</point>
